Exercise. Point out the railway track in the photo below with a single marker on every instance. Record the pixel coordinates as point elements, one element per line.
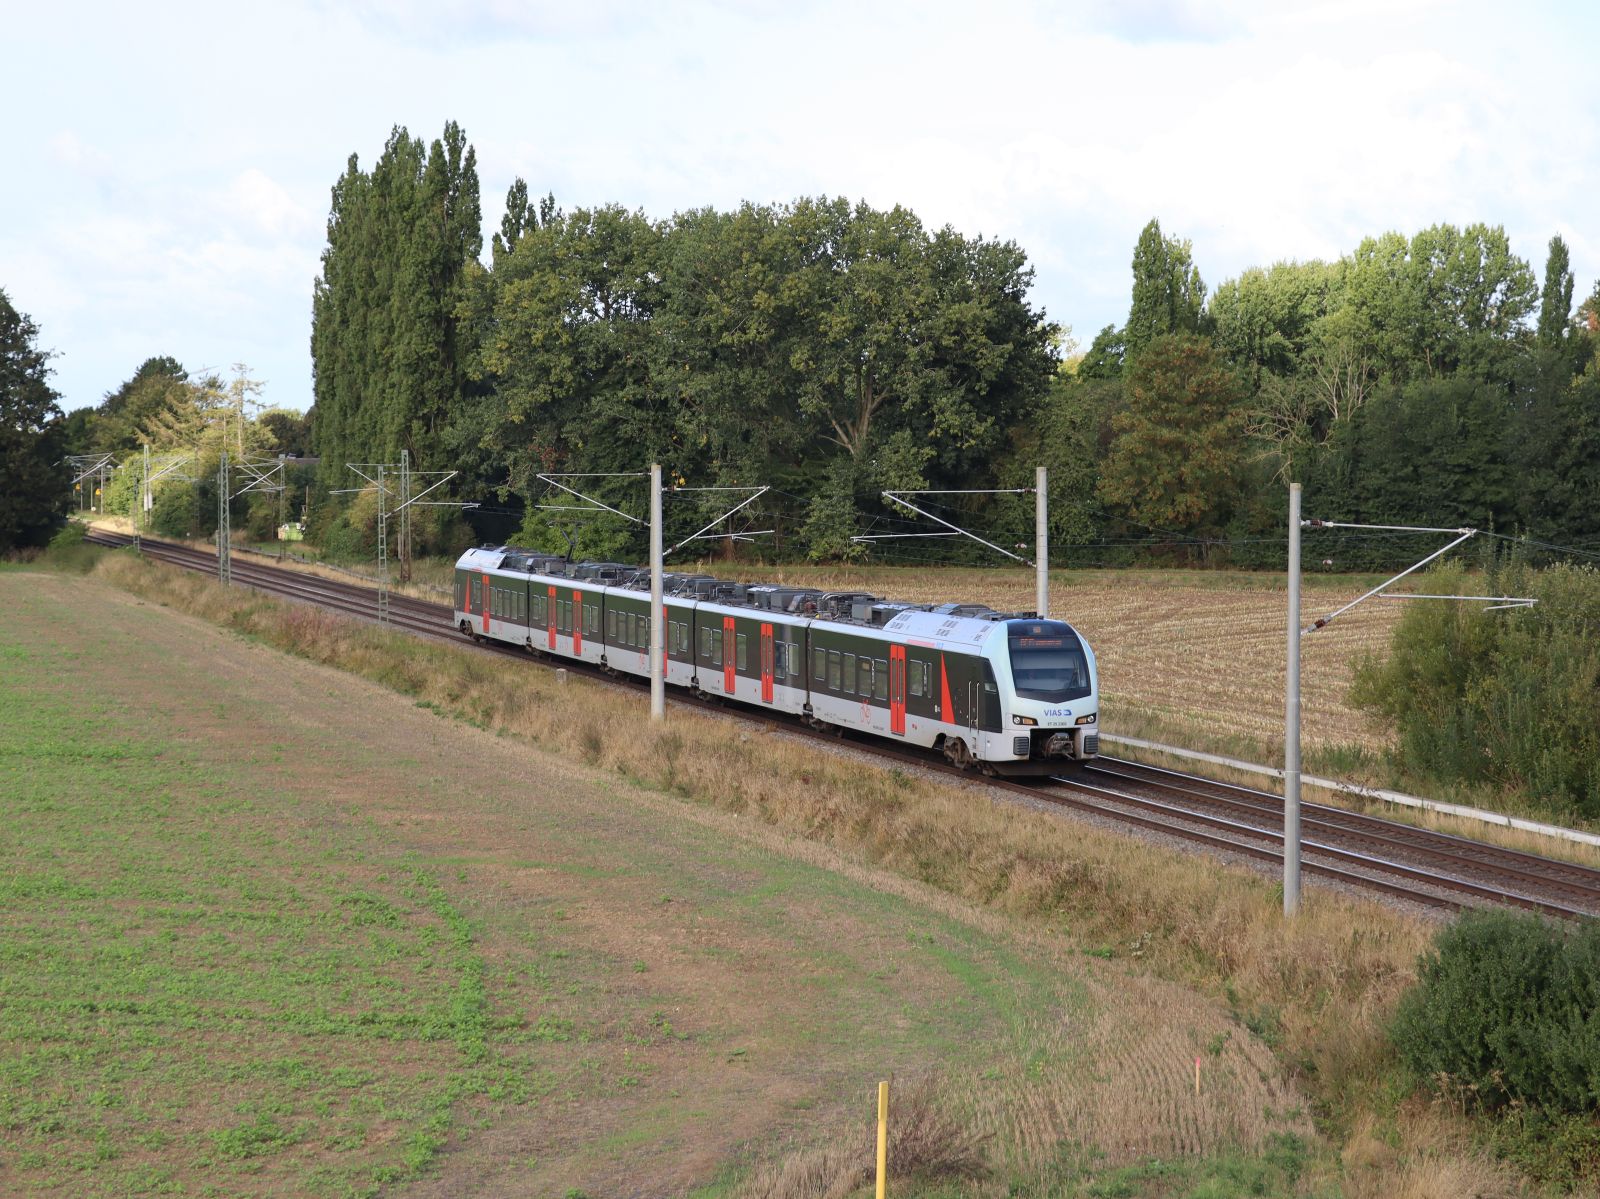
<point>1352,848</point>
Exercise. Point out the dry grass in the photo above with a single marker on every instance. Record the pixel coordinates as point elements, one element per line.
<point>925,1145</point>
<point>1321,985</point>
<point>1422,1154</point>
<point>431,580</point>
<point>1373,774</point>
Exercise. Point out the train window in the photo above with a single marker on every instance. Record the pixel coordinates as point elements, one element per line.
<point>644,632</point>
<point>795,660</point>
<point>819,664</point>
<point>833,670</point>
<point>611,626</point>
<point>847,682</point>
<point>919,677</point>
<point>880,687</point>
<point>741,656</point>
<point>716,647</point>
<point>591,619</point>
<point>864,685</point>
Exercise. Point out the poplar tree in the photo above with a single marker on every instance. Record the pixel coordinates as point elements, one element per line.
<point>1168,293</point>
<point>389,355</point>
<point>1555,301</point>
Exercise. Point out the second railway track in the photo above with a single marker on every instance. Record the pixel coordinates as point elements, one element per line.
<point>1352,848</point>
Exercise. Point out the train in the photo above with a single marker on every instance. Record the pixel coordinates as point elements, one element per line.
<point>1003,693</point>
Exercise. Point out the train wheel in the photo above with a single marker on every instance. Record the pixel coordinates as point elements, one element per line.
<point>956,750</point>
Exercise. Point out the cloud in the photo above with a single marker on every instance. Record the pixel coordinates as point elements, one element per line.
<point>457,23</point>
<point>267,206</point>
<point>1144,21</point>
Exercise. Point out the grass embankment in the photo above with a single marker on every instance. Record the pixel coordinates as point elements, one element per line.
<point>288,932</point>
<point>1318,989</point>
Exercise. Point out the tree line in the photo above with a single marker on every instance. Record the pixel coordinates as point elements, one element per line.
<point>834,350</point>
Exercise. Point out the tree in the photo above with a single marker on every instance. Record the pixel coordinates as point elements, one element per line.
<point>1446,298</point>
<point>569,353</point>
<point>1431,452</point>
<point>1265,320</point>
<point>1176,462</point>
<point>1168,294</point>
<point>1105,356</point>
<point>33,483</point>
<point>907,332</point>
<point>1555,301</point>
<point>521,215</point>
<point>125,415</point>
<point>290,431</point>
<point>390,357</point>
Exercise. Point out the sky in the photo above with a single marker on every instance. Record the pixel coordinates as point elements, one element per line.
<point>167,170</point>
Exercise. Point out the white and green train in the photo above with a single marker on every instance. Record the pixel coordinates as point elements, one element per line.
<point>1010,693</point>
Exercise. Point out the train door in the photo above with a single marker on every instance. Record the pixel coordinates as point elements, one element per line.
<point>577,623</point>
<point>728,675</point>
<point>897,689</point>
<point>550,617</point>
<point>484,596</point>
<point>766,663</point>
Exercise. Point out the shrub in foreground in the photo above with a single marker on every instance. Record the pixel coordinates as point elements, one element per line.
<point>1506,1011</point>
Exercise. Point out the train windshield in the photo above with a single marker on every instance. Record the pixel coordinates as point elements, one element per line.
<point>1048,662</point>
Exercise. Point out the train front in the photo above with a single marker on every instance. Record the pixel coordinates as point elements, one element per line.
<point>1053,708</point>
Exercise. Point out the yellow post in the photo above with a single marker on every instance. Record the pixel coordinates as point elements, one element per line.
<point>883,1139</point>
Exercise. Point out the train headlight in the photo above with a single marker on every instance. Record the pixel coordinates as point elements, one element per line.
<point>1089,719</point>
<point>1023,720</point>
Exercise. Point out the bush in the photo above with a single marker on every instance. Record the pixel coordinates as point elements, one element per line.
<point>1506,1010</point>
<point>182,510</point>
<point>1507,698</point>
<point>71,534</point>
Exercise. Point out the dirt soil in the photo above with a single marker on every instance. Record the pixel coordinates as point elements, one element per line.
<point>684,991</point>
